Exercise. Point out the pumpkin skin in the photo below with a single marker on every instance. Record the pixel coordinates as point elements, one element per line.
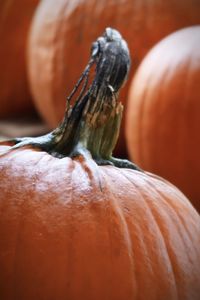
<point>73,230</point>
<point>164,110</point>
<point>15,96</point>
<point>63,29</point>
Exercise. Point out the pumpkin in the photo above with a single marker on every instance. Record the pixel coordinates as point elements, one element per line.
<point>15,18</point>
<point>63,30</point>
<point>164,111</point>
<point>74,225</point>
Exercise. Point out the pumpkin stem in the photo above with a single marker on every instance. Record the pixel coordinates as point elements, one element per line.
<point>92,124</point>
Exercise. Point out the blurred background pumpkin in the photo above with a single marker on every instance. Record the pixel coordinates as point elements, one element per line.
<point>15,19</point>
<point>163,115</point>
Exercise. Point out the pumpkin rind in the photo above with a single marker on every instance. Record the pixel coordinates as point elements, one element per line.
<point>164,110</point>
<point>73,230</point>
<point>15,19</point>
<point>63,30</point>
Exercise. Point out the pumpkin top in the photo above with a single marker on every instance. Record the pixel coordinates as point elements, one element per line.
<point>92,122</point>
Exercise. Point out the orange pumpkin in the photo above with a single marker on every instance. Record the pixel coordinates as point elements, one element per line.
<point>74,229</point>
<point>15,18</point>
<point>63,30</point>
<point>164,111</point>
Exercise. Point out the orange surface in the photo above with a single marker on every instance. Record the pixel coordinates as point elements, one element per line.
<point>163,120</point>
<point>72,230</point>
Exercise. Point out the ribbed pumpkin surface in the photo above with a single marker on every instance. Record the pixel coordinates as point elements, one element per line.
<point>72,230</point>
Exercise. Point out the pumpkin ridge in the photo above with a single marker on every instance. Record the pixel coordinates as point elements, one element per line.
<point>116,206</point>
<point>142,197</point>
<point>16,251</point>
<point>177,221</point>
<point>70,246</point>
<point>189,234</point>
<point>170,260</point>
<point>181,292</point>
<point>170,203</point>
<point>19,233</point>
<point>90,168</point>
